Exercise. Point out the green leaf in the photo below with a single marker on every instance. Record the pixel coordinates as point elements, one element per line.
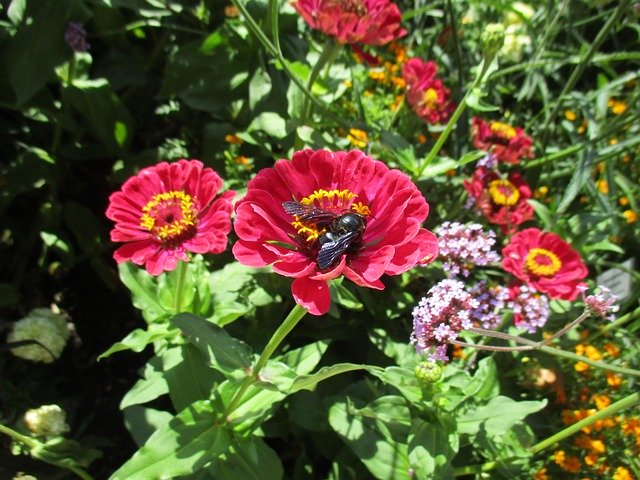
<point>138,340</point>
<point>143,287</point>
<point>187,443</point>
<point>65,452</point>
<point>249,458</point>
<point>542,212</point>
<point>430,450</point>
<point>276,375</point>
<point>581,174</point>
<point>143,421</point>
<point>305,359</point>
<point>152,386</point>
<point>308,382</point>
<point>403,379</point>
<point>375,434</point>
<point>403,353</point>
<point>497,416</point>
<point>270,123</point>
<point>259,88</point>
<point>484,384</point>
<point>222,351</point>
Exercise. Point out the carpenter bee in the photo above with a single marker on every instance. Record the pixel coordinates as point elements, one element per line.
<point>343,231</point>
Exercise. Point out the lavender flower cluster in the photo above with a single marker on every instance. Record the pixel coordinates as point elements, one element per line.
<point>76,37</point>
<point>492,300</point>
<point>464,246</point>
<point>439,317</point>
<point>601,304</point>
<point>530,308</point>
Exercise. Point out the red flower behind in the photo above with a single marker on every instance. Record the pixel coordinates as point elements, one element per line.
<point>509,144</point>
<point>545,262</point>
<point>371,22</point>
<point>168,210</point>
<point>502,202</point>
<point>426,94</point>
<point>389,203</point>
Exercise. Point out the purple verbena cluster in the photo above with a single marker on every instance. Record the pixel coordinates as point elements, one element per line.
<point>491,300</point>
<point>530,308</point>
<point>464,246</point>
<point>601,304</point>
<point>489,161</point>
<point>76,37</point>
<point>437,319</point>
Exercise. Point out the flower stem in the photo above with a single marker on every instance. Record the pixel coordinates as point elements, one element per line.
<point>484,67</point>
<point>31,443</point>
<point>610,411</point>
<point>329,52</point>
<point>182,275</point>
<point>278,336</point>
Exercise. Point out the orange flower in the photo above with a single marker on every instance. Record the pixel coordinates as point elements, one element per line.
<point>623,473</point>
<point>601,401</point>
<point>541,474</point>
<point>630,216</point>
<point>232,138</point>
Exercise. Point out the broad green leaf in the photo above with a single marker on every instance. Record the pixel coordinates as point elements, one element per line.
<point>374,433</point>
<point>222,351</point>
<point>402,352</point>
<point>484,384</point>
<point>430,450</point>
<point>257,405</point>
<point>277,376</point>
<point>138,340</point>
<point>497,416</point>
<point>143,421</point>
<point>187,443</point>
<point>308,382</point>
<point>259,87</point>
<point>542,212</point>
<point>270,123</point>
<point>249,458</point>
<point>143,288</point>
<point>403,379</point>
<point>152,386</point>
<point>304,359</point>
<point>65,452</point>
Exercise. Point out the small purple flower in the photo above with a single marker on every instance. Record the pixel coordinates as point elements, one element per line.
<point>530,308</point>
<point>76,37</point>
<point>489,161</point>
<point>439,317</point>
<point>464,246</point>
<point>492,300</point>
<point>601,304</point>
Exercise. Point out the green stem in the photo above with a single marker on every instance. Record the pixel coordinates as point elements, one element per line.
<point>610,411</point>
<point>182,275</point>
<point>329,52</point>
<point>454,118</point>
<point>278,336</point>
<point>31,443</point>
<point>580,67</point>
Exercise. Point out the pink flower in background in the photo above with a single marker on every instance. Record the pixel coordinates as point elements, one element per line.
<point>371,22</point>
<point>545,263</point>
<point>502,201</point>
<point>326,214</point>
<point>426,94</point>
<point>168,210</point>
<point>508,144</point>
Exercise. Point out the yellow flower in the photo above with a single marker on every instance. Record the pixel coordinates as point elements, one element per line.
<point>583,127</point>
<point>358,138</point>
<point>612,350</point>
<point>541,192</point>
<point>541,475</point>
<point>570,115</point>
<point>613,380</point>
<point>630,216</point>
<point>581,367</point>
<point>624,201</point>
<point>617,107</point>
<point>603,186</point>
<point>601,401</point>
<point>622,473</point>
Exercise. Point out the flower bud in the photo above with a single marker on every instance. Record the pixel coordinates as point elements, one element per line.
<point>428,372</point>
<point>46,420</point>
<point>44,326</point>
<point>492,39</point>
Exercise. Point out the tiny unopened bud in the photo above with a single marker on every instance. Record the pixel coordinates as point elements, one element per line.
<point>45,327</point>
<point>428,372</point>
<point>46,420</point>
<point>492,39</point>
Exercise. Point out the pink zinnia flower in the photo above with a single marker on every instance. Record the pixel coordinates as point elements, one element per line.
<point>502,201</point>
<point>168,210</point>
<point>386,207</point>
<point>371,22</point>
<point>508,144</point>
<point>426,94</point>
<point>545,262</point>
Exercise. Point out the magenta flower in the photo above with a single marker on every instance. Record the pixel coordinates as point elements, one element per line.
<point>168,210</point>
<point>426,93</point>
<point>371,22</point>
<point>325,214</point>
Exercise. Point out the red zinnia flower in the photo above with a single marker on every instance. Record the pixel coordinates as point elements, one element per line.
<point>502,202</point>
<point>372,22</point>
<point>509,144</point>
<point>545,262</point>
<point>310,243</point>
<point>168,210</point>
<point>426,94</point>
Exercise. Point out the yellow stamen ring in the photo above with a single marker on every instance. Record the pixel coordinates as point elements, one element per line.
<point>430,98</point>
<point>169,215</point>
<point>503,129</point>
<point>503,192</point>
<point>542,262</point>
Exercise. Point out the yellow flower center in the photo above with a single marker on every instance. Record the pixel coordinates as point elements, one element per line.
<point>503,192</point>
<point>170,216</point>
<point>430,98</point>
<point>503,130</point>
<point>337,201</point>
<point>542,262</point>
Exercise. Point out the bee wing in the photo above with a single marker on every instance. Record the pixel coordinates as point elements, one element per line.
<point>330,251</point>
<point>309,214</point>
